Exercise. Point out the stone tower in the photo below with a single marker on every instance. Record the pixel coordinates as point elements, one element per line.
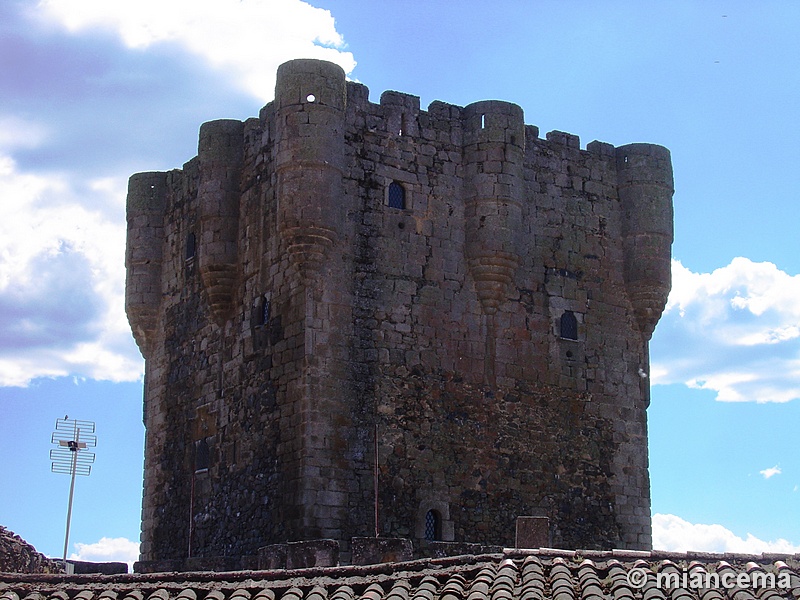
<point>445,286</point>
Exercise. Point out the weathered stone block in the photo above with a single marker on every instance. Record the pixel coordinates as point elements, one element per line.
<point>533,532</point>
<point>312,553</point>
<point>272,556</point>
<point>368,551</point>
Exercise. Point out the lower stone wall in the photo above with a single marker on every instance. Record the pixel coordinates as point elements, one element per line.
<point>479,459</point>
<point>18,556</point>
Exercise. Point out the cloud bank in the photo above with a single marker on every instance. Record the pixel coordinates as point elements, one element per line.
<point>61,279</point>
<point>96,91</point>
<point>674,534</point>
<point>247,38</point>
<point>735,331</point>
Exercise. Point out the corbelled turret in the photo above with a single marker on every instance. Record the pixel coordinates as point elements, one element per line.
<point>310,97</point>
<point>494,146</point>
<point>144,251</point>
<point>644,178</point>
<point>220,160</point>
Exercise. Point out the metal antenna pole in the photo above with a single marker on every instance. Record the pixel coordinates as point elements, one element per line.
<point>74,450</point>
<point>70,457</point>
<point>377,529</point>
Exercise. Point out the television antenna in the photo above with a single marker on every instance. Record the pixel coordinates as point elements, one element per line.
<point>71,457</point>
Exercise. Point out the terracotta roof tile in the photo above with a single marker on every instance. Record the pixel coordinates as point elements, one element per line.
<point>454,588</point>
<point>265,594</point>
<point>296,593</point>
<point>344,592</point>
<point>427,589</point>
<point>401,590</point>
<point>514,575</point>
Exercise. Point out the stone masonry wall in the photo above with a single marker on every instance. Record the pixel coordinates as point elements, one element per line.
<point>18,556</point>
<point>492,332</point>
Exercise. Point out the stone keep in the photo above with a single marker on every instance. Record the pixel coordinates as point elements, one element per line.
<point>337,276</point>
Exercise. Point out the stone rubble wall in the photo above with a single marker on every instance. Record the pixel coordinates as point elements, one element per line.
<point>18,556</point>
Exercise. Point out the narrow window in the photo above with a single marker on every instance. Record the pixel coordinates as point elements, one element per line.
<point>433,526</point>
<point>569,326</point>
<point>261,311</point>
<point>191,246</point>
<point>202,456</point>
<point>483,121</point>
<point>265,311</point>
<point>397,195</point>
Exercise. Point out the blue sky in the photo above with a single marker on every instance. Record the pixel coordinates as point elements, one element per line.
<point>92,91</point>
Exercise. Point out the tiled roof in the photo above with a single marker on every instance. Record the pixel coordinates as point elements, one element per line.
<point>513,575</point>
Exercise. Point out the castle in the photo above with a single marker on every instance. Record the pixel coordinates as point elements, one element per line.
<point>362,318</point>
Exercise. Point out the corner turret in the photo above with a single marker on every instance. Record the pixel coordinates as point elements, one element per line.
<point>144,254</point>
<point>310,97</point>
<point>644,178</point>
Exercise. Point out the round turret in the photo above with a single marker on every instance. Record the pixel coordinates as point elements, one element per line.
<point>644,178</point>
<point>144,253</point>
<point>299,79</point>
<point>219,155</point>
<point>310,97</point>
<point>494,145</point>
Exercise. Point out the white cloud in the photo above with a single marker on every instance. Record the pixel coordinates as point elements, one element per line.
<point>16,132</point>
<point>735,331</point>
<point>62,235</point>
<point>108,550</point>
<point>771,472</point>
<point>62,279</point>
<point>247,38</point>
<point>674,534</point>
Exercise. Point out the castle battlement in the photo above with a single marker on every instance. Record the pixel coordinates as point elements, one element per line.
<point>478,297</point>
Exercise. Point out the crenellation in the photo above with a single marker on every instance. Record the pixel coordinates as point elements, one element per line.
<point>478,297</point>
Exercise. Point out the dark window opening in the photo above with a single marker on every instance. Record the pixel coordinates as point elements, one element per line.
<point>569,325</point>
<point>202,456</point>
<point>397,195</point>
<point>191,246</point>
<point>261,310</point>
<point>433,526</point>
<point>265,311</point>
